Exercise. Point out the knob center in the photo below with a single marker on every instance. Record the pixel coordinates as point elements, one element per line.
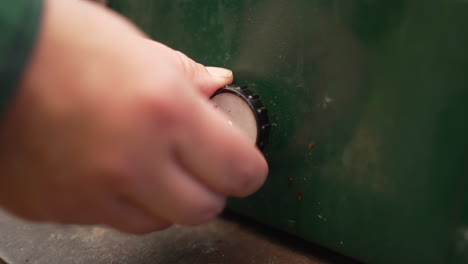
<point>238,112</point>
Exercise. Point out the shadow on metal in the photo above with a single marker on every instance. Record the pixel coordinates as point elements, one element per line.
<point>286,240</point>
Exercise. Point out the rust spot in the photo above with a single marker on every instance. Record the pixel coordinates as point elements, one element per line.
<point>290,181</point>
<point>299,196</point>
<point>311,145</point>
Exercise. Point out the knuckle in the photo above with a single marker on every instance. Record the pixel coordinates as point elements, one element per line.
<point>186,64</point>
<point>129,217</point>
<point>164,106</point>
<point>119,178</point>
<point>203,213</point>
<point>249,178</point>
<point>116,174</point>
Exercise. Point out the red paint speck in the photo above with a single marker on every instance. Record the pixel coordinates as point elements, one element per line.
<point>299,196</point>
<point>311,145</point>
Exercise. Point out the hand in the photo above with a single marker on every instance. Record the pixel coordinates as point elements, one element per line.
<point>109,127</point>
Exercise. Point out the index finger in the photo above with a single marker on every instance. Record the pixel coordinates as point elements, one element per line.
<point>218,153</point>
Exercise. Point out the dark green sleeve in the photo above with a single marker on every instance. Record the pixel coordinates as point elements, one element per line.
<point>19,24</point>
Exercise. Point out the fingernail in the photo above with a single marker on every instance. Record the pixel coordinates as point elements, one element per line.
<point>219,72</point>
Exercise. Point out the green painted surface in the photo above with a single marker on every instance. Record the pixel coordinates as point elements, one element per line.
<point>369,105</point>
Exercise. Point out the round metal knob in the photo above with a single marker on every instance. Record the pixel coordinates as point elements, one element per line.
<point>244,110</point>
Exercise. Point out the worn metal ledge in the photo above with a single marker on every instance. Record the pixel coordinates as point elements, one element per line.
<point>226,240</point>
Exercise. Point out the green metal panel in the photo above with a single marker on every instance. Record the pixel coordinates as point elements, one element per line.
<point>369,104</point>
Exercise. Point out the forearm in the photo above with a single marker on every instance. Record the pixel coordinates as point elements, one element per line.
<point>19,25</point>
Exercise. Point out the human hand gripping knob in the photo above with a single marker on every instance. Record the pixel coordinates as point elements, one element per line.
<point>109,127</point>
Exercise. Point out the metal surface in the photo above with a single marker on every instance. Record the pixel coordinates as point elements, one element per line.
<point>246,110</point>
<point>238,113</point>
<point>220,242</point>
<point>368,101</point>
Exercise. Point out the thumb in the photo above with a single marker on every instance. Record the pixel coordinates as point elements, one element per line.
<point>206,79</point>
